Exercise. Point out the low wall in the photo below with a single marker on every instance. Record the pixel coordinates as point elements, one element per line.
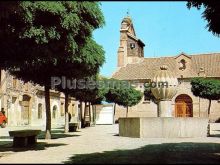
<point>163,127</point>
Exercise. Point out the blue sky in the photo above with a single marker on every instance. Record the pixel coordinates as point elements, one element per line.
<point>166,28</point>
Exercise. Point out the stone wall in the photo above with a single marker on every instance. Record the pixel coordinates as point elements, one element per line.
<point>155,127</point>
<point>129,127</point>
<point>149,109</point>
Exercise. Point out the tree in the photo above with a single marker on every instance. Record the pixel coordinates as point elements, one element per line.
<point>207,89</point>
<point>91,94</point>
<point>38,37</point>
<point>92,55</point>
<point>98,95</point>
<point>211,13</point>
<point>123,95</point>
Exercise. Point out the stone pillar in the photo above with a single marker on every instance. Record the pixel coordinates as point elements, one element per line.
<point>165,108</point>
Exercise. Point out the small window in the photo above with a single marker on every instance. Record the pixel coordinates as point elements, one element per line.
<point>182,64</point>
<point>62,109</point>
<point>14,82</point>
<point>201,69</point>
<point>132,45</point>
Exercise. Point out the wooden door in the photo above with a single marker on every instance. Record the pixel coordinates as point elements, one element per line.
<point>189,110</point>
<point>25,112</point>
<point>180,109</point>
<point>183,106</point>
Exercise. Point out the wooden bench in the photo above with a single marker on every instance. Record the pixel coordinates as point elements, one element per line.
<point>23,138</point>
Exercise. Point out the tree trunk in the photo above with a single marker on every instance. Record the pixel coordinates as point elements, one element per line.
<point>66,128</point>
<point>48,113</point>
<point>199,106</point>
<point>81,114</point>
<point>84,117</point>
<point>127,112</point>
<point>95,114</point>
<point>158,110</point>
<point>114,114</point>
<point>209,108</point>
<point>90,117</point>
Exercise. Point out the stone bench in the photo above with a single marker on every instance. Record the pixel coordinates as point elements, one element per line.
<point>23,138</point>
<point>73,127</point>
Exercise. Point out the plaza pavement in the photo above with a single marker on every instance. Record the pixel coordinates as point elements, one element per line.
<point>88,140</point>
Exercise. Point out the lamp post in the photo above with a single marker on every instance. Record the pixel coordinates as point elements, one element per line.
<point>165,88</point>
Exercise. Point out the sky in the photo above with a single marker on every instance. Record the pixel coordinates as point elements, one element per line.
<point>166,28</point>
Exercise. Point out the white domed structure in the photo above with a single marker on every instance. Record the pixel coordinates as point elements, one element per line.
<point>164,88</point>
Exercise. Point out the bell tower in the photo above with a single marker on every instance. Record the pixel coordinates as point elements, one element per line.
<point>131,49</point>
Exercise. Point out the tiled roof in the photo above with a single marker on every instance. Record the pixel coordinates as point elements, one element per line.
<point>147,68</point>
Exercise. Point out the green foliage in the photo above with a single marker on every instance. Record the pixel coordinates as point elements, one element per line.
<point>123,95</point>
<point>41,39</point>
<point>53,37</point>
<point>206,88</point>
<point>211,13</point>
<point>93,95</point>
<point>149,95</point>
<point>110,90</point>
<point>91,54</point>
<point>46,29</point>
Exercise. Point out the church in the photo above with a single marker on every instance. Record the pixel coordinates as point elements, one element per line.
<point>133,66</point>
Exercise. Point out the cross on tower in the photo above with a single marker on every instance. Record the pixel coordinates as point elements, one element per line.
<point>127,12</point>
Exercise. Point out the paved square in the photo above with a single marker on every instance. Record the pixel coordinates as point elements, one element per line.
<point>101,144</point>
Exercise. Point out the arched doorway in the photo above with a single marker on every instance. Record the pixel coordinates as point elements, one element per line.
<point>183,106</point>
<point>54,113</point>
<point>39,111</point>
<point>25,109</point>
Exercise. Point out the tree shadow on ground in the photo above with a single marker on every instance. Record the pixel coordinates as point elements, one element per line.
<point>116,134</point>
<point>62,128</point>
<point>57,134</point>
<point>6,142</point>
<point>6,146</point>
<point>167,153</point>
<point>4,137</point>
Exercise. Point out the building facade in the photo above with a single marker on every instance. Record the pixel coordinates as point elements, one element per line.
<point>24,103</point>
<point>133,67</point>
